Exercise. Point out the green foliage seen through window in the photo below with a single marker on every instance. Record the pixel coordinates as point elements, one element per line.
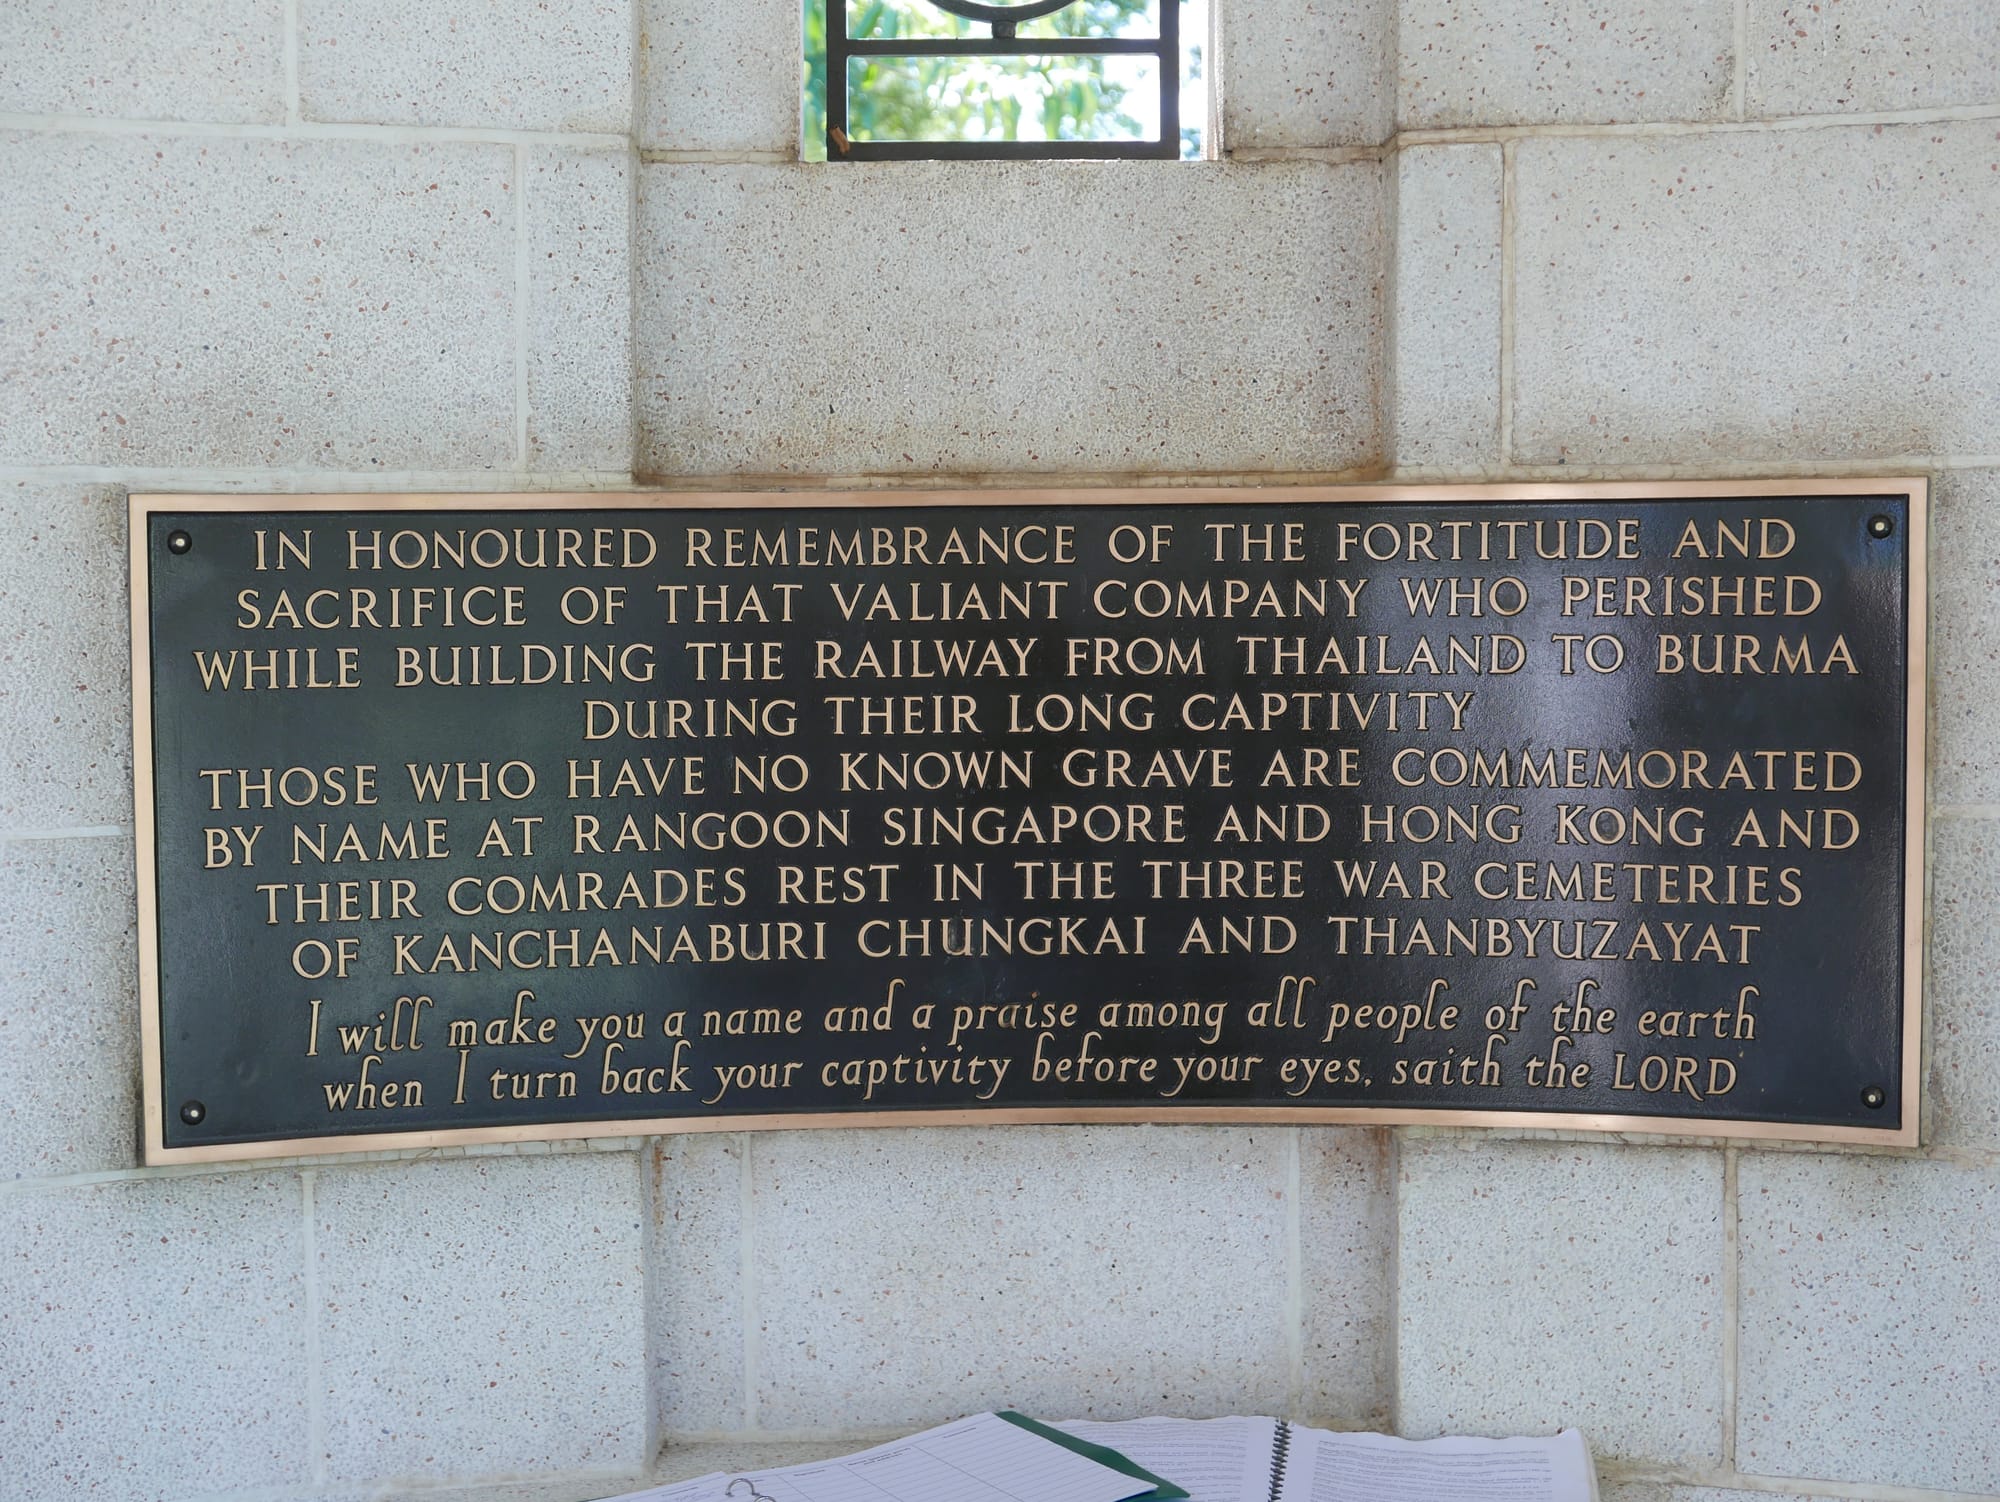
<point>1012,98</point>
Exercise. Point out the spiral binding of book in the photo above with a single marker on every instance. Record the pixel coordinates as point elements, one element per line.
<point>1281,1446</point>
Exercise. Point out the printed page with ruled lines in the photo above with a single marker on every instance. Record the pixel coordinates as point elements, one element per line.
<point>979,1459</point>
<point>1331,1467</point>
<point>1216,1460</point>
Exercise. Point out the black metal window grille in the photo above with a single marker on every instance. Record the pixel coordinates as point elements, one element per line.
<point>1003,22</point>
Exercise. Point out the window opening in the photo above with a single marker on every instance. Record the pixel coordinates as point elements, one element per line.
<point>1044,79</point>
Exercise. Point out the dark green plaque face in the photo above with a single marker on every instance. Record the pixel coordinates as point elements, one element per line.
<point>486,817</point>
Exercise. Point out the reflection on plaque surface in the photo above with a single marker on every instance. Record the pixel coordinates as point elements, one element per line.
<point>467,818</point>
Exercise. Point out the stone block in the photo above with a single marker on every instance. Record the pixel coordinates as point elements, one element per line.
<point>482,1316</point>
<point>1814,294</point>
<point>1965,637</point>
<point>219,60</point>
<point>953,317</point>
<point>1572,62</point>
<point>1347,1231</point>
<point>580,309</point>
<point>69,1030</point>
<point>1870,1315</point>
<point>1544,1285</point>
<point>1447,315</point>
<point>203,301</point>
<point>65,663</point>
<point>508,64</point>
<point>905,1278</point>
<point>1963,1021</point>
<point>1307,73</point>
<point>1835,57</point>
<point>721,80</point>
<point>153,1337</point>
<point>694,1259</point>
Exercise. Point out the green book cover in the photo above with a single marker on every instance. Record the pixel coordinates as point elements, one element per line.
<point>1163,1489</point>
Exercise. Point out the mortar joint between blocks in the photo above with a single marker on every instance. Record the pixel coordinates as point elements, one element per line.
<point>1295,1282</point>
<point>1388,403</point>
<point>309,130</point>
<point>1392,1156</point>
<point>1457,135</point>
<point>1731,1303</point>
<point>523,293</point>
<point>75,832</point>
<point>316,1453</point>
<point>650,1168</point>
<point>1509,174</point>
<point>634,258</point>
<point>747,1245</point>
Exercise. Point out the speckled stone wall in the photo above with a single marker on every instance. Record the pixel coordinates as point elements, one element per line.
<point>353,244</point>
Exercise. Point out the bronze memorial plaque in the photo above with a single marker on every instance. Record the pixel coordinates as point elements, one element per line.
<point>471,818</point>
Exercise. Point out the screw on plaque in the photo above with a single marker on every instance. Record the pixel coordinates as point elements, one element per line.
<point>1874,1097</point>
<point>1881,526</point>
<point>179,542</point>
<point>193,1113</point>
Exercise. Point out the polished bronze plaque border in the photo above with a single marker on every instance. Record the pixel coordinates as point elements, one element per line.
<point>1901,1133</point>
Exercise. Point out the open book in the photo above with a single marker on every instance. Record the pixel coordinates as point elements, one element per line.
<point>1269,1460</point>
<point>1007,1458</point>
